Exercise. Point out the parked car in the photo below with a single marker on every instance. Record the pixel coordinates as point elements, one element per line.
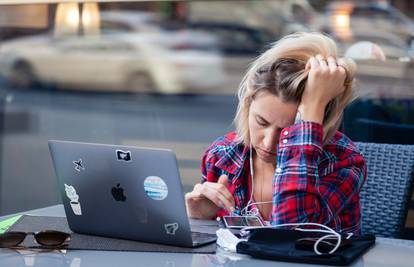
<point>237,44</point>
<point>167,62</point>
<point>116,21</point>
<point>278,17</point>
<point>395,62</point>
<point>345,17</point>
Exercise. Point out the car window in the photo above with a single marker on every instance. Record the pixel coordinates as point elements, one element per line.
<point>108,26</point>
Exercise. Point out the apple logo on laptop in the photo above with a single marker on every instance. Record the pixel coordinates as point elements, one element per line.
<point>118,193</point>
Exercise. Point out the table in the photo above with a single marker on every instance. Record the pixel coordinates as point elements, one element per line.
<point>387,252</point>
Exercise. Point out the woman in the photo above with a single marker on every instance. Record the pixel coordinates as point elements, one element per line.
<point>287,160</point>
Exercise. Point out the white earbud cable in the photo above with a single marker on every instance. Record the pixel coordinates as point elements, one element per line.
<point>328,231</point>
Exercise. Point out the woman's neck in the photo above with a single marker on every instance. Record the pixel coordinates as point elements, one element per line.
<point>267,166</point>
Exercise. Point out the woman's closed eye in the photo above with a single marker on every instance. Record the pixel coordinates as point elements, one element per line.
<point>261,121</point>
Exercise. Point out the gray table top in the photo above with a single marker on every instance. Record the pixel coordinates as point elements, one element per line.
<point>387,252</point>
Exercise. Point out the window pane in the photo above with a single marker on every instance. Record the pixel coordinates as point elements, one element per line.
<point>165,74</point>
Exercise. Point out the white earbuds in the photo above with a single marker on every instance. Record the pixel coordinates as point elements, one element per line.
<point>245,211</point>
<point>327,230</point>
<point>255,212</point>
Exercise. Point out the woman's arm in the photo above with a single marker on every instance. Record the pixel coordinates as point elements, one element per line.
<point>212,194</point>
<point>301,193</point>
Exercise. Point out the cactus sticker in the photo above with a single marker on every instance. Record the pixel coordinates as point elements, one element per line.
<point>74,199</point>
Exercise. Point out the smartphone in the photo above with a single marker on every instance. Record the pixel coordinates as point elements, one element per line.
<point>242,221</point>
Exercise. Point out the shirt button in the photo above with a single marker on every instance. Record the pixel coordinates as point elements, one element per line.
<point>284,141</point>
<point>278,170</point>
<point>285,133</point>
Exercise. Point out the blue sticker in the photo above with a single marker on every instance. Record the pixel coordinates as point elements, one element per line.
<point>155,187</point>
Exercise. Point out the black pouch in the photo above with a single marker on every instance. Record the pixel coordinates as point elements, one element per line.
<point>282,245</point>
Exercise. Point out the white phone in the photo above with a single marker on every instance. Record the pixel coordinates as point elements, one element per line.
<point>242,221</point>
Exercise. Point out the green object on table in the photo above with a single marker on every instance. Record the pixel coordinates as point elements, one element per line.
<point>4,225</point>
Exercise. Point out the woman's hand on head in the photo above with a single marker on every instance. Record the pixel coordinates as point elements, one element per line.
<point>207,198</point>
<point>326,80</point>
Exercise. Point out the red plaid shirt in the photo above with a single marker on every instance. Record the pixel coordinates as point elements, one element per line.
<point>312,183</point>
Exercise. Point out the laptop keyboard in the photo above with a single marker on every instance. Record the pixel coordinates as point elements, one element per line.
<point>203,237</point>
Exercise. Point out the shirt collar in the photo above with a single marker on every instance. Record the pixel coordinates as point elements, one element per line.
<point>233,161</point>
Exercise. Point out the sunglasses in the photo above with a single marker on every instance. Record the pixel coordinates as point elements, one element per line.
<point>48,238</point>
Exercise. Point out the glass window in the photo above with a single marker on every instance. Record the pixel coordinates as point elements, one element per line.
<point>165,74</point>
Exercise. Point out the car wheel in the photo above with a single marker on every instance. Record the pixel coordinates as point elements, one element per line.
<point>22,75</point>
<point>140,83</point>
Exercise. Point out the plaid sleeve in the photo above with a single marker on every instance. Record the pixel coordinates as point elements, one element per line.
<point>218,151</point>
<point>301,193</point>
<point>210,173</point>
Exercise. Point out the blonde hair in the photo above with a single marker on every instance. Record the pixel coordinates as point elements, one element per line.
<point>281,71</point>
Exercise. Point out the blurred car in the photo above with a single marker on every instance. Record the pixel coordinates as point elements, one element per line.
<point>117,21</point>
<point>392,45</point>
<point>397,61</point>
<point>235,39</point>
<point>342,18</point>
<point>277,17</point>
<point>237,44</point>
<point>136,62</point>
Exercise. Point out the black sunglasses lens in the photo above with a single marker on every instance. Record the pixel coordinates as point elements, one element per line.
<point>51,238</point>
<point>11,239</point>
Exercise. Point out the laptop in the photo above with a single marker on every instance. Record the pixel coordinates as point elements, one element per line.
<point>124,192</point>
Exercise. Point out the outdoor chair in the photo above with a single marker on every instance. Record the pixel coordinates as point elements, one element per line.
<point>386,194</point>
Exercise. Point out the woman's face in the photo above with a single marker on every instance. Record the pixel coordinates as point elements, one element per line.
<point>268,115</point>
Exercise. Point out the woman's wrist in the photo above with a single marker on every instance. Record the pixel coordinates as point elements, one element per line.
<point>313,113</point>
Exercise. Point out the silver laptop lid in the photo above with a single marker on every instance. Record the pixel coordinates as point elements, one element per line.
<point>122,191</point>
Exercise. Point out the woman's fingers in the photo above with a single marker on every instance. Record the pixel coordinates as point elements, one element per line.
<point>326,80</point>
<point>195,193</point>
<point>222,194</point>
<point>322,61</point>
<point>341,63</point>
<point>216,193</point>
<point>332,64</point>
<point>228,197</point>
<point>222,189</point>
<point>313,63</point>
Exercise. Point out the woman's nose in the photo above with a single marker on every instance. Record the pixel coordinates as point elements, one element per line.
<point>270,141</point>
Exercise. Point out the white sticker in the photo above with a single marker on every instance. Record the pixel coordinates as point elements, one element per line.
<point>155,187</point>
<point>74,199</point>
<point>123,155</point>
<point>76,262</point>
<point>78,165</point>
<point>171,228</point>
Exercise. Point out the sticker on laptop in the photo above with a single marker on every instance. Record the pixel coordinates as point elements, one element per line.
<point>123,155</point>
<point>76,262</point>
<point>79,165</point>
<point>155,187</point>
<point>74,199</point>
<point>171,228</point>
